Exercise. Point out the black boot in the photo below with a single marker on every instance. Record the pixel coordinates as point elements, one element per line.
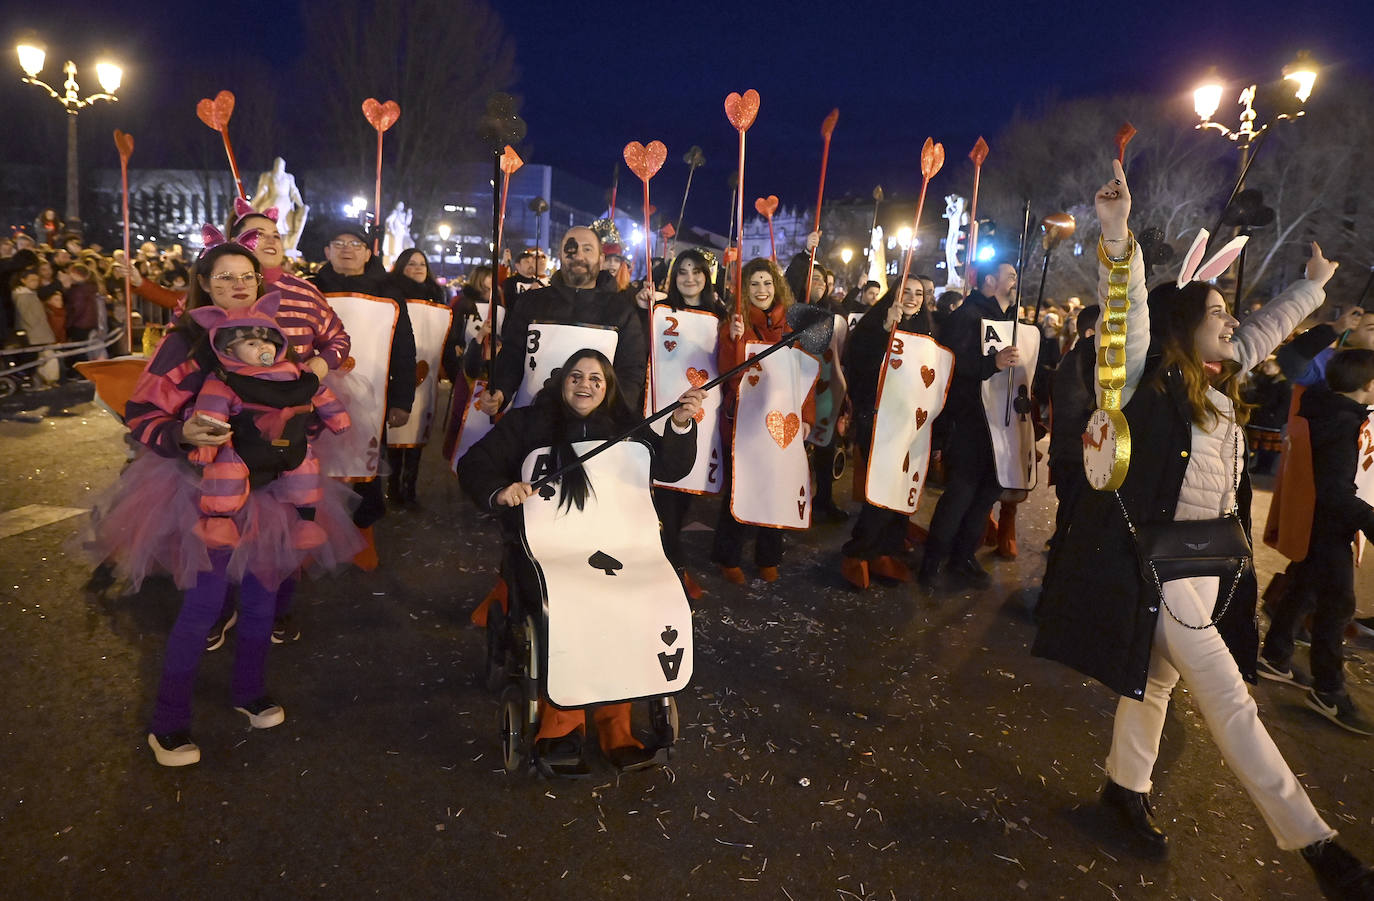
<point>1134,810</point>
<point>1339,873</point>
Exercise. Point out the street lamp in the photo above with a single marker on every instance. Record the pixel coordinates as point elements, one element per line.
<point>31,57</point>
<point>444,231</point>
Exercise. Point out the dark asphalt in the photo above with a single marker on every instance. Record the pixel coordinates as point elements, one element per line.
<point>835,745</point>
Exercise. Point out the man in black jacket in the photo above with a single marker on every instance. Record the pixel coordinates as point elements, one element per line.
<point>352,269</point>
<point>581,294</point>
<point>971,484</point>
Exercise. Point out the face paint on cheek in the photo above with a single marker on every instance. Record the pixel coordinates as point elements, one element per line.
<point>570,247</point>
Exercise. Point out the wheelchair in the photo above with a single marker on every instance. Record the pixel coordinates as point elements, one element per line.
<point>517,665</point>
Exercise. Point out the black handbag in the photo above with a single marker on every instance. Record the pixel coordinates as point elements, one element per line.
<point>1189,548</point>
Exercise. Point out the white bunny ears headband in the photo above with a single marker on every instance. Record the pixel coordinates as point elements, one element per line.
<point>1194,270</point>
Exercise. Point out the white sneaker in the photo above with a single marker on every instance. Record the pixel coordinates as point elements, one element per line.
<point>264,713</point>
<point>174,749</point>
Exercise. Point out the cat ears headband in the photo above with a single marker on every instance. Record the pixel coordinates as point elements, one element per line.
<point>213,237</point>
<point>243,208</point>
<point>1194,270</point>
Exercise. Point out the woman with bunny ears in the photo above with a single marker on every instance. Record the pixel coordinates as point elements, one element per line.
<point>1104,610</point>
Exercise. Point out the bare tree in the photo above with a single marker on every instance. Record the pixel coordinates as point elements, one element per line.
<point>438,59</point>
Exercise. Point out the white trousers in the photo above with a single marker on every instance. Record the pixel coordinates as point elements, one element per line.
<point>1200,657</point>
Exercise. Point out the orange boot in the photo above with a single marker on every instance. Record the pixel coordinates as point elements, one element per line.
<point>855,572</point>
<point>498,594</point>
<point>890,568</point>
<point>618,744</point>
<point>367,559</point>
<point>768,573</point>
<point>733,574</point>
<point>689,585</point>
<point>1006,531</point>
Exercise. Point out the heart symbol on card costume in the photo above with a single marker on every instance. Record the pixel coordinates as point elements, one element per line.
<point>742,110</point>
<point>669,635</point>
<point>215,113</point>
<point>921,417</point>
<point>782,428</point>
<point>645,161</point>
<point>124,143</point>
<point>697,377</point>
<point>381,116</point>
<point>928,375</point>
<point>754,379</point>
<point>421,372</point>
<point>670,345</point>
<point>766,206</point>
<point>897,364</point>
<point>347,365</point>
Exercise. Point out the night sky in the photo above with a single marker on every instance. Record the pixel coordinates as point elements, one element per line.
<point>591,80</point>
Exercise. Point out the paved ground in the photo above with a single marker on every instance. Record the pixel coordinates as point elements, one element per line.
<point>835,745</point>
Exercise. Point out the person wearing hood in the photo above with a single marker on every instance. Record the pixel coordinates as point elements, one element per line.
<point>581,294</point>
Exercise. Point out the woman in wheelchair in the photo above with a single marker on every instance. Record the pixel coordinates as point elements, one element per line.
<point>581,402</point>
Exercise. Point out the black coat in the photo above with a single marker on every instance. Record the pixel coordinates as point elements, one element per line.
<point>1333,423</point>
<point>377,282</point>
<point>1072,401</point>
<point>494,462</point>
<point>601,305</point>
<point>1097,614</point>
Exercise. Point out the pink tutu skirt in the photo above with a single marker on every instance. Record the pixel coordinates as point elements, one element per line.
<point>145,524</point>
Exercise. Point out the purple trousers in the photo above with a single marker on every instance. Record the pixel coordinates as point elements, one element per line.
<point>186,645</point>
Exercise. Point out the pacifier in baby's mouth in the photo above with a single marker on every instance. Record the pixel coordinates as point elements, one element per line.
<point>266,357</point>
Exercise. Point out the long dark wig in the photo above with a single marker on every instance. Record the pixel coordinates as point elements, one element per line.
<point>1175,315</point>
<point>613,412</point>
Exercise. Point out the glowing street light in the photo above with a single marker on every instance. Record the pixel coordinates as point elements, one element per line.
<point>444,231</point>
<point>1207,95</point>
<point>846,255</point>
<point>31,59</point>
<point>904,236</point>
<point>1302,71</point>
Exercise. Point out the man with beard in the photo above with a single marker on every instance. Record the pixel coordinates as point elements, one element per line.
<point>581,294</point>
<point>528,276</point>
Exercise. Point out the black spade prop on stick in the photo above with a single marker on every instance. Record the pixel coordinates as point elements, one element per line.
<point>812,329</point>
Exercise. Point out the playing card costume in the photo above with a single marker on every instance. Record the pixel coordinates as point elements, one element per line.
<point>768,479</point>
<point>595,566</point>
<point>1104,614</point>
<point>898,384</point>
<point>431,319</point>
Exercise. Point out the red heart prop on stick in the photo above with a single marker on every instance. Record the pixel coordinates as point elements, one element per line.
<point>645,161</point>
<point>932,158</point>
<point>215,113</point>
<point>767,206</point>
<point>510,160</point>
<point>696,377</point>
<point>742,110</point>
<point>381,115</point>
<point>979,152</point>
<point>124,143</point>
<point>1123,137</point>
<point>828,126</point>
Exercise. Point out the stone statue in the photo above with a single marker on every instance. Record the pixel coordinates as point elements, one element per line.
<point>397,234</point>
<point>277,188</point>
<point>954,212</point>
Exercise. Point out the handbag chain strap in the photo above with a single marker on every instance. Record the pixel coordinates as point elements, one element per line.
<point>1235,510</point>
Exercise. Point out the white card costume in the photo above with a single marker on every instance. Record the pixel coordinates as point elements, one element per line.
<point>360,384</point>
<point>829,397</point>
<point>619,624</point>
<point>912,388</point>
<point>772,478</point>
<point>474,324</point>
<point>1364,477</point>
<point>548,346</point>
<point>1008,404</point>
<point>431,322</point>
<point>682,355</point>
<point>473,422</point>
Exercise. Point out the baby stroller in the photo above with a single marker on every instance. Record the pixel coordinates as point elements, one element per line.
<point>588,624</point>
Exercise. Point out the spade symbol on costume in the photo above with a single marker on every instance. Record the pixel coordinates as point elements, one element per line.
<point>604,562</point>
<point>669,635</point>
<point>546,492</point>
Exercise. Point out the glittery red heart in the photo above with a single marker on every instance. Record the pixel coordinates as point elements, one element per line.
<point>767,206</point>
<point>669,345</point>
<point>932,158</point>
<point>215,113</point>
<point>381,116</point>
<point>782,428</point>
<point>645,161</point>
<point>697,377</point>
<point>742,110</point>
<point>510,160</point>
<point>897,364</point>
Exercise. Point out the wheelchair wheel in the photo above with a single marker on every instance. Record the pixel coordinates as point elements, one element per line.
<point>513,727</point>
<point>663,718</point>
<point>498,647</point>
<point>9,385</point>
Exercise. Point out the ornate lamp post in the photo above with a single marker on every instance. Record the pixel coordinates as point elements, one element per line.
<point>109,75</point>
